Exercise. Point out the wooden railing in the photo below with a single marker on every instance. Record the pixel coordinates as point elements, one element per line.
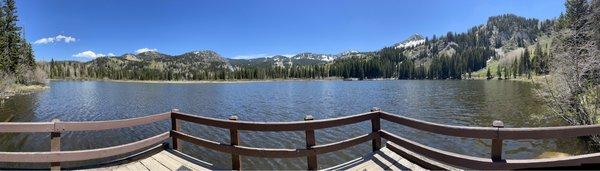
<point>497,133</point>
<point>56,127</point>
<point>308,126</point>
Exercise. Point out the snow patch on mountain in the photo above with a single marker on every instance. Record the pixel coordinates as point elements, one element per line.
<point>412,41</point>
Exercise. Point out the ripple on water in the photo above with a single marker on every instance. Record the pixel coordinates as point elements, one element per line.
<point>469,103</point>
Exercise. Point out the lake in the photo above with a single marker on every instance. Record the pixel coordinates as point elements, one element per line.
<point>455,102</point>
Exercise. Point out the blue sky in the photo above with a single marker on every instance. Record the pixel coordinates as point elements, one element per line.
<point>80,30</point>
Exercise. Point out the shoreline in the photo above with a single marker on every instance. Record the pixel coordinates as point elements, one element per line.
<point>534,79</point>
<point>19,89</point>
<point>199,81</point>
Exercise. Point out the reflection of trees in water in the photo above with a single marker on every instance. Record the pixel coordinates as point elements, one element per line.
<point>516,104</point>
<point>18,109</point>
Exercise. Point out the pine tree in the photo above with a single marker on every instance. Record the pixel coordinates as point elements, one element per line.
<point>27,57</point>
<point>538,60</point>
<point>525,63</point>
<point>4,59</point>
<point>499,73</point>
<point>576,10</point>
<point>515,68</point>
<point>489,74</point>
<point>506,73</point>
<point>13,33</point>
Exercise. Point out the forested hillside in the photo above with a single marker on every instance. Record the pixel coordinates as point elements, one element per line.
<point>510,43</point>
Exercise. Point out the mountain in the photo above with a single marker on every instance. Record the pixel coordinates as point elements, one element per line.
<point>150,55</point>
<point>411,41</point>
<point>302,59</point>
<point>448,56</point>
<point>315,57</point>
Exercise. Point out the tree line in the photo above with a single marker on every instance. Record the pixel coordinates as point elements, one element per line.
<point>79,70</point>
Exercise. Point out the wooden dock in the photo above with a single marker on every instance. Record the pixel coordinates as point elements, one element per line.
<point>172,160</point>
<point>398,153</point>
<point>162,160</point>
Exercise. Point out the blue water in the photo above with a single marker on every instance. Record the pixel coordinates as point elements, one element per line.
<point>469,103</point>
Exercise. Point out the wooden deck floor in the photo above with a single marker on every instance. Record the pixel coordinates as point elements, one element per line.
<point>384,159</point>
<point>164,160</point>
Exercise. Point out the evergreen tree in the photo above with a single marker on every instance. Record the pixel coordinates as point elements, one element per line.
<point>525,63</point>
<point>489,74</point>
<point>499,73</point>
<point>515,68</point>
<point>13,33</point>
<point>576,10</point>
<point>4,58</point>
<point>539,60</point>
<point>506,73</point>
<point>26,52</point>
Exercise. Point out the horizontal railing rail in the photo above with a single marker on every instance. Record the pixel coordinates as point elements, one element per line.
<point>451,130</point>
<point>488,163</point>
<point>60,126</point>
<point>275,126</point>
<point>56,127</point>
<point>273,152</point>
<point>309,125</point>
<point>80,155</point>
<point>497,133</point>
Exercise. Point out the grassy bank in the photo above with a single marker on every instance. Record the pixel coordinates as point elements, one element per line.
<point>8,90</point>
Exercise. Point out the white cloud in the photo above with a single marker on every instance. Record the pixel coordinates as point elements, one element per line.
<point>59,38</point>
<point>261,55</point>
<point>142,50</point>
<point>91,55</point>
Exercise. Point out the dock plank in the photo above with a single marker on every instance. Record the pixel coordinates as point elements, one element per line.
<point>152,164</point>
<point>186,163</point>
<point>136,166</point>
<point>169,162</point>
<point>384,159</point>
<point>121,168</point>
<point>161,161</point>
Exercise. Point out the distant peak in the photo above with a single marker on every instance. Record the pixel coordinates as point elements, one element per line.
<point>414,37</point>
<point>413,40</point>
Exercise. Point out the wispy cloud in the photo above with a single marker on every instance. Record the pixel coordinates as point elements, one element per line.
<point>261,55</point>
<point>142,50</point>
<point>91,54</point>
<point>55,39</point>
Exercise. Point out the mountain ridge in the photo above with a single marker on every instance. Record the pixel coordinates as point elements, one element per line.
<point>448,56</point>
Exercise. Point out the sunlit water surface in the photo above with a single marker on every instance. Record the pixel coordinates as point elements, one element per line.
<point>467,103</point>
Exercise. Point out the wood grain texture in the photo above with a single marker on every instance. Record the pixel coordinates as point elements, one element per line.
<point>112,124</point>
<point>275,126</point>
<point>80,155</point>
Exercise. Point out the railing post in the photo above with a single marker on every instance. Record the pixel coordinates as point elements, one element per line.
<point>55,145</point>
<point>234,136</point>
<point>375,127</point>
<point>310,143</point>
<point>497,142</point>
<point>175,126</point>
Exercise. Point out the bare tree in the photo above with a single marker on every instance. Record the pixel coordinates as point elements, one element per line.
<point>572,89</point>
